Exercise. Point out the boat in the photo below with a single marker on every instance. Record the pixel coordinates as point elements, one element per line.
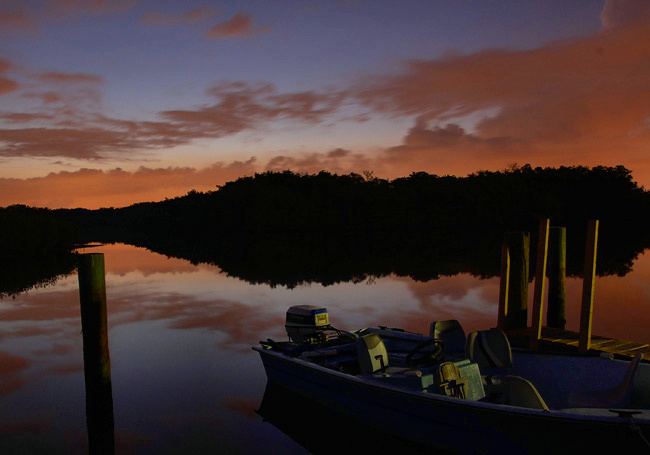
<point>462,393</point>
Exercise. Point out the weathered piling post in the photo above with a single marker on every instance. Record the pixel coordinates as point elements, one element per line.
<point>97,364</point>
<point>540,281</point>
<point>556,272</point>
<point>504,286</point>
<point>587,306</point>
<point>517,245</point>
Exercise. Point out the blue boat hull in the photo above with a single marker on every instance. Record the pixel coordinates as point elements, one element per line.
<point>452,424</point>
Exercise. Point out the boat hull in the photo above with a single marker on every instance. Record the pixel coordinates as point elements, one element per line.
<point>450,424</point>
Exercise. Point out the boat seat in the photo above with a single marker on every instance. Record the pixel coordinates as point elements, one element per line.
<point>490,349</point>
<point>616,397</point>
<point>452,335</point>
<point>518,391</point>
<point>371,353</point>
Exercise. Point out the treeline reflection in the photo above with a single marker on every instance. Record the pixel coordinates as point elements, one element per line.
<point>20,273</point>
<point>292,260</point>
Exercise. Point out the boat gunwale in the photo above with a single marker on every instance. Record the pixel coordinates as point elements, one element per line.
<point>553,414</point>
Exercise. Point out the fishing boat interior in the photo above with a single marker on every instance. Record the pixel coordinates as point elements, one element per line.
<point>478,366</point>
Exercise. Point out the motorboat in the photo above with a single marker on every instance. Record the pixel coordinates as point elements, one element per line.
<point>462,393</point>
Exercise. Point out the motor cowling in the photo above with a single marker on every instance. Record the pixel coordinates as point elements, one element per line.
<point>307,324</point>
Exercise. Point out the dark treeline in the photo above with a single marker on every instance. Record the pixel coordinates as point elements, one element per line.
<point>35,248</point>
<point>287,228</point>
<point>324,202</point>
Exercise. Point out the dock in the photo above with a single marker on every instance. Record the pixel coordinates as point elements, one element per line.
<point>513,297</point>
<point>559,340</point>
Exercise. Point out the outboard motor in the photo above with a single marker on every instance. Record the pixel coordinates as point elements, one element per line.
<point>307,324</point>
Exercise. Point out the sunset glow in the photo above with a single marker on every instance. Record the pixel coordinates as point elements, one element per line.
<point>111,103</point>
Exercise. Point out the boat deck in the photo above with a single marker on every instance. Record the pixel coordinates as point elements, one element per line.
<point>565,340</point>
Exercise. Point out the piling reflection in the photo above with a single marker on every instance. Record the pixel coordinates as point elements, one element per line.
<point>97,363</point>
<point>322,430</point>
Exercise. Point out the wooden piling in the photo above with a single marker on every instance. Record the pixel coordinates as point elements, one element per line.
<point>588,286</point>
<point>97,364</point>
<point>556,272</point>
<point>504,284</point>
<point>540,281</point>
<point>518,248</point>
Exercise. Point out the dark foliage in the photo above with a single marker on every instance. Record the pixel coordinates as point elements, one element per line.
<point>35,248</point>
<point>287,228</point>
<point>26,229</point>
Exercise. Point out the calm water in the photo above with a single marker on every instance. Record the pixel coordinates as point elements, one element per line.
<point>184,377</point>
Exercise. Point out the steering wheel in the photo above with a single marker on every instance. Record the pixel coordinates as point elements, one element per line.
<point>419,356</point>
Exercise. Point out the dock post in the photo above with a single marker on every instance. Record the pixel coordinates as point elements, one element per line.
<point>518,246</point>
<point>587,306</point>
<point>97,363</point>
<point>556,272</point>
<point>540,281</point>
<point>504,284</point>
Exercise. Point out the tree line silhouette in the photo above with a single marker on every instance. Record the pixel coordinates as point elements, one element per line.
<point>289,228</point>
<point>35,248</point>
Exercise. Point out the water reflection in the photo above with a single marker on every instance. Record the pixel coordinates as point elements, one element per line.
<point>321,430</point>
<point>184,377</point>
<point>19,273</point>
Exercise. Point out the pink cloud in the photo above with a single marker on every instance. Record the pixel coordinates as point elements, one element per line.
<point>6,85</point>
<point>617,13</point>
<point>69,121</point>
<point>15,19</point>
<point>238,26</point>
<point>580,101</point>
<point>92,188</point>
<point>190,17</point>
<point>60,77</point>
<point>45,97</point>
<point>94,6</point>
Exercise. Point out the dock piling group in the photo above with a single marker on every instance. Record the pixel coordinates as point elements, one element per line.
<point>551,264</point>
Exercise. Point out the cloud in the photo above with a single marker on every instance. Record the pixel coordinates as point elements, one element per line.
<point>15,20</point>
<point>75,78</point>
<point>66,119</point>
<point>578,101</point>
<point>93,188</point>
<point>240,106</point>
<point>238,26</point>
<point>6,85</point>
<point>93,6</point>
<point>338,161</point>
<point>618,13</point>
<point>190,17</point>
<point>85,142</point>
<point>45,97</point>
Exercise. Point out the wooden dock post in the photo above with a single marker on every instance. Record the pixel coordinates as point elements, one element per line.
<point>504,284</point>
<point>556,272</point>
<point>518,250</point>
<point>540,281</point>
<point>97,363</point>
<point>587,306</point>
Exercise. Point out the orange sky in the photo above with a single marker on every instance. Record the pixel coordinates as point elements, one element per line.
<point>576,100</point>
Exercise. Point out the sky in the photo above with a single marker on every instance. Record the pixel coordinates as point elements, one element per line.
<point>108,103</point>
